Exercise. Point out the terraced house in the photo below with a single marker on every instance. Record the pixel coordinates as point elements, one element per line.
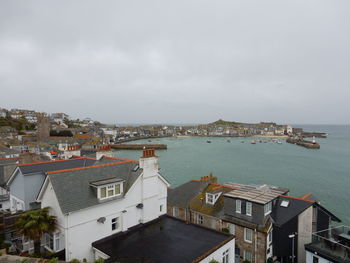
<point>117,212</point>
<point>267,223</point>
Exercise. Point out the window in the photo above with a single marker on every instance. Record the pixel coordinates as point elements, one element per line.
<point>200,219</point>
<point>161,208</point>
<point>314,259</point>
<point>231,228</point>
<point>110,190</point>
<point>175,211</point>
<point>267,208</point>
<point>115,223</point>
<point>238,206</point>
<point>248,235</point>
<point>247,255</point>
<point>210,199</point>
<point>57,241</point>
<point>249,208</point>
<point>225,256</point>
<point>270,237</point>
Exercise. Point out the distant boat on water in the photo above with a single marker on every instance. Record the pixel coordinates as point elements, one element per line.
<point>253,142</point>
<point>208,141</point>
<point>228,141</point>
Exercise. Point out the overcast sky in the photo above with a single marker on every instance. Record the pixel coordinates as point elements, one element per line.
<point>179,61</point>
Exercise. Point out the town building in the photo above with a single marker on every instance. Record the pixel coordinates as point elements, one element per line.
<point>116,211</point>
<point>294,221</point>
<point>25,182</point>
<point>267,223</point>
<point>329,246</point>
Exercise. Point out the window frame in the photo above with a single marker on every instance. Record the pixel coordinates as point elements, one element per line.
<point>115,224</point>
<point>250,210</point>
<point>238,206</point>
<point>267,208</point>
<point>110,188</point>
<point>246,235</point>
<point>226,256</point>
<point>200,219</point>
<point>245,252</point>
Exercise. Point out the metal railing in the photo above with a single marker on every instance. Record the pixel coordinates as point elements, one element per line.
<point>334,241</point>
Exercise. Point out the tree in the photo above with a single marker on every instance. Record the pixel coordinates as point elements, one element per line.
<point>33,224</point>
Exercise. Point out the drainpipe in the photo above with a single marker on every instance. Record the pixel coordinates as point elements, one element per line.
<point>256,246</point>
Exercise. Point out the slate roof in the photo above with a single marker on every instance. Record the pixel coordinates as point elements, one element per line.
<point>261,194</point>
<point>165,239</point>
<point>198,203</point>
<point>49,166</point>
<point>7,151</point>
<point>183,194</point>
<point>282,215</point>
<point>73,189</point>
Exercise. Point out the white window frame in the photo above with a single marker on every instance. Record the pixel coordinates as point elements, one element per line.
<point>226,256</point>
<point>238,205</point>
<point>210,198</point>
<point>175,211</point>
<point>250,205</point>
<point>246,230</point>
<point>110,187</point>
<point>245,252</point>
<point>200,219</point>
<point>267,208</point>
<point>115,222</point>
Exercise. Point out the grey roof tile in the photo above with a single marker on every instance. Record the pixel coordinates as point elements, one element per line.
<point>73,189</point>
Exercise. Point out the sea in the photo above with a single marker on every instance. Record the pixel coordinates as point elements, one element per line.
<point>324,172</point>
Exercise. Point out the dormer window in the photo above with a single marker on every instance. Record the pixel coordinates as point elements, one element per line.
<point>267,208</point>
<point>108,188</point>
<point>212,198</point>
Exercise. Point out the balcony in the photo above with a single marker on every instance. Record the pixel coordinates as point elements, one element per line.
<point>333,243</point>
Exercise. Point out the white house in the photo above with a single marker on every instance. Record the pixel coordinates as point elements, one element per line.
<point>111,200</point>
<point>68,150</point>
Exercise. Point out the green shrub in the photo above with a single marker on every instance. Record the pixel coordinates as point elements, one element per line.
<point>225,229</point>
<point>74,260</point>
<point>53,260</point>
<point>24,260</point>
<point>246,261</point>
<point>213,261</point>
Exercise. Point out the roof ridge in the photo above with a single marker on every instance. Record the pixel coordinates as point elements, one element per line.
<point>297,198</point>
<point>224,185</point>
<point>89,167</point>
<point>18,157</point>
<point>117,158</point>
<point>55,161</point>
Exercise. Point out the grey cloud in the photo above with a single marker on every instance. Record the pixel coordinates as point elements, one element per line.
<point>178,61</point>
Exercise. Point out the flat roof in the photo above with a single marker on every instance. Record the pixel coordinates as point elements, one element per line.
<point>165,239</point>
<point>107,181</point>
<point>256,193</point>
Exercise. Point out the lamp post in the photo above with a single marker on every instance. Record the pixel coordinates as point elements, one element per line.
<point>292,236</point>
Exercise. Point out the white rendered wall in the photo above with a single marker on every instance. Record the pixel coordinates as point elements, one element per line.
<point>81,228</point>
<point>217,255</point>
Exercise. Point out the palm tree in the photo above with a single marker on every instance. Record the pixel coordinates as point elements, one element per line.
<point>33,224</point>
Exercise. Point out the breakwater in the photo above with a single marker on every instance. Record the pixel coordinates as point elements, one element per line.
<point>139,146</point>
<point>304,143</point>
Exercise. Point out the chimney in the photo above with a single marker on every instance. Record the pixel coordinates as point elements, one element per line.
<point>209,178</point>
<point>149,162</point>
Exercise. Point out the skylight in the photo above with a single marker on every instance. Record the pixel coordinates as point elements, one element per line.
<point>285,203</point>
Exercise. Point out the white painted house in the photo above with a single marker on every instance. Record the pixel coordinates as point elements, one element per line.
<point>111,200</point>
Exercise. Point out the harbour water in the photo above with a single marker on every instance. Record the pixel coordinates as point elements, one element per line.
<point>324,172</point>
